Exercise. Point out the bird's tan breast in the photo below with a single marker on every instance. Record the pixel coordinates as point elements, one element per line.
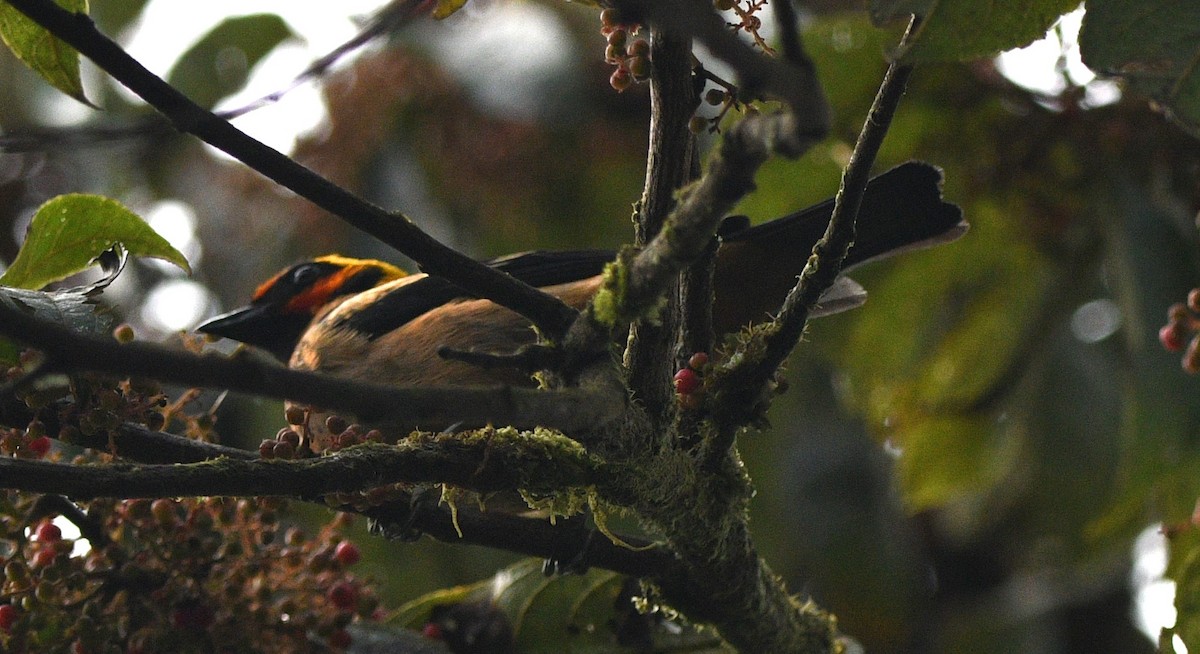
<point>408,355</point>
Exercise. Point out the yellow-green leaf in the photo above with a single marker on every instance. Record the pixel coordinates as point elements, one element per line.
<point>68,232</point>
<point>446,7</point>
<point>46,55</point>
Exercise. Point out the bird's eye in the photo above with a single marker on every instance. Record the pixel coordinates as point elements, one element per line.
<point>305,275</point>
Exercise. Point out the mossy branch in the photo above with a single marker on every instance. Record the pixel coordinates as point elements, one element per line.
<point>484,461</point>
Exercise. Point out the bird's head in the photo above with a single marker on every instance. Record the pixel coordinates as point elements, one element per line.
<point>283,306</point>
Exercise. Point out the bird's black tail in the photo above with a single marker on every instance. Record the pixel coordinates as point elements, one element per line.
<point>901,210</point>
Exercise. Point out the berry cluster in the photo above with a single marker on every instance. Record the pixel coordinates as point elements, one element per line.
<point>215,574</point>
<point>689,382</point>
<point>313,433</point>
<point>1183,321</point>
<point>197,575</point>
<point>630,56</point>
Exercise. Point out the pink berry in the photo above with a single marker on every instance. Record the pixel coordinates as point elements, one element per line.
<point>347,553</point>
<point>40,446</point>
<point>47,532</point>
<point>43,557</point>
<point>686,381</point>
<point>1170,337</point>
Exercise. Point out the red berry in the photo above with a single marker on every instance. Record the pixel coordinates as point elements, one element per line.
<point>39,446</point>
<point>686,381</point>
<point>47,532</point>
<point>431,630</point>
<point>344,595</point>
<point>8,617</point>
<point>1193,300</point>
<point>340,639</point>
<point>1170,337</point>
<point>698,361</point>
<point>43,557</point>
<point>347,553</point>
<point>266,449</point>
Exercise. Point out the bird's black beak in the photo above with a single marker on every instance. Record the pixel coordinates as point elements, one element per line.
<point>264,326</point>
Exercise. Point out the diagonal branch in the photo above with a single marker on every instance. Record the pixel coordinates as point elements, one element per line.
<point>744,382</point>
<point>550,314</point>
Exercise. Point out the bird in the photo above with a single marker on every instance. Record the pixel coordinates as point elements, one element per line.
<point>369,320</point>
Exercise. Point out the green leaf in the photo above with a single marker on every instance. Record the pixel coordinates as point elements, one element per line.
<point>571,613</point>
<point>959,30</point>
<point>55,61</point>
<point>1154,45</point>
<point>68,233</point>
<point>446,7</point>
<point>76,308</point>
<point>219,64</point>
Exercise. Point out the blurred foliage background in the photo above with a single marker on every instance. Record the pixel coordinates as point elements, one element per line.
<point>964,464</point>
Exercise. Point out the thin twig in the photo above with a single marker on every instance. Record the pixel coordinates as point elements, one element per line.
<point>743,384</point>
<point>797,85</point>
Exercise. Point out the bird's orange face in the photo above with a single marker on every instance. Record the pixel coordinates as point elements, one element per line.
<point>282,307</point>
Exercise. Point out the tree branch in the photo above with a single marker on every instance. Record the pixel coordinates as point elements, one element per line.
<point>431,408</point>
<point>551,315</point>
<point>742,384</point>
<point>672,147</point>
<point>485,461</point>
<point>793,81</point>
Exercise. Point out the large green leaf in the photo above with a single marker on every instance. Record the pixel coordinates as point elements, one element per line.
<point>55,61</point>
<point>1154,45</point>
<point>219,64</point>
<point>68,233</point>
<point>958,30</point>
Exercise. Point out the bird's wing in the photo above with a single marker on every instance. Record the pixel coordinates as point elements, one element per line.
<point>415,297</point>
